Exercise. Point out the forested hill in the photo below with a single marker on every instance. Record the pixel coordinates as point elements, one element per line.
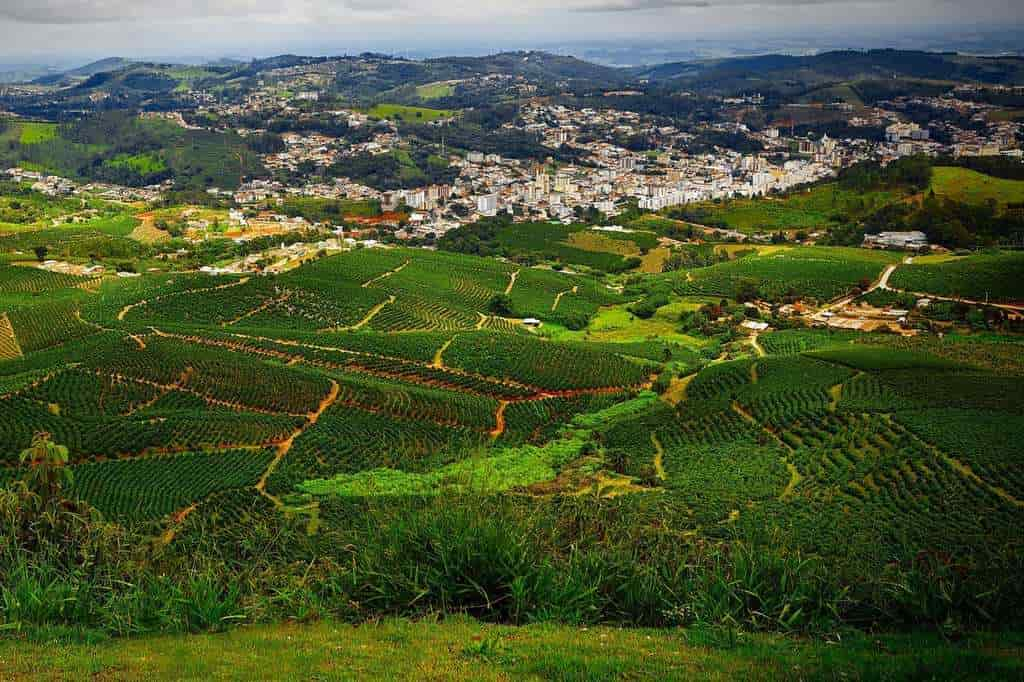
<point>846,65</point>
<point>723,74</point>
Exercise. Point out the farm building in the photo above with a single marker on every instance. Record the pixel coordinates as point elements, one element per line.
<point>911,241</point>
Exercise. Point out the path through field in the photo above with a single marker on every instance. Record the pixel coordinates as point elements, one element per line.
<point>511,282</point>
<point>131,306</point>
<point>659,457</point>
<point>757,346</point>
<point>9,347</point>
<point>794,473</point>
<point>438,362</point>
<point>387,274</point>
<point>146,231</point>
<point>499,420</point>
<point>558,298</point>
<point>373,312</point>
<point>286,445</point>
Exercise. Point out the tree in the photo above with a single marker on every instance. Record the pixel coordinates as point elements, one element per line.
<point>501,305</point>
<point>41,252</point>
<point>747,291</point>
<point>48,473</point>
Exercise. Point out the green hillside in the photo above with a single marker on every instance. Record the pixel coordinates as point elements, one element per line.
<point>972,187</point>
<point>124,149</point>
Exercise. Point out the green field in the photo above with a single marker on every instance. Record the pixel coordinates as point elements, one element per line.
<point>972,187</point>
<point>435,90</point>
<point>109,148</point>
<point>461,649</point>
<point>401,112</point>
<point>375,434</point>
<point>566,245</point>
<point>35,133</point>
<point>998,277</point>
<point>814,209</point>
<point>820,273</point>
<point>142,163</point>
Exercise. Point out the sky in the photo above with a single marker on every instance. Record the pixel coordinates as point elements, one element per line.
<point>216,28</point>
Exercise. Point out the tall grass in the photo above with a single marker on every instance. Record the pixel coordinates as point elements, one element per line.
<point>505,559</point>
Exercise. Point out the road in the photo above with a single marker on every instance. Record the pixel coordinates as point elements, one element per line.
<point>883,284</point>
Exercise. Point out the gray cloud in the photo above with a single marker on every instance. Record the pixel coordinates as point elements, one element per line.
<point>172,27</point>
<point>655,5</point>
<point>107,11</point>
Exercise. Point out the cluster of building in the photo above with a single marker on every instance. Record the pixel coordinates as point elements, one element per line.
<point>56,186</point>
<point>958,127</point>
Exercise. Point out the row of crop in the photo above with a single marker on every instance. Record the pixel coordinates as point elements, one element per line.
<point>720,379</point>
<point>930,499</point>
<point>220,374</point>
<point>47,325</point>
<point>983,440</point>
<point>419,313</point>
<point>795,341</point>
<point>327,357</point>
<point>820,274</point>
<point>417,402</point>
<point>304,310</point>
<point>414,346</point>
<point>548,365</point>
<point>212,306</point>
<point>90,437</point>
<point>123,294</point>
<point>152,488</point>
<point>24,280</point>
<point>354,267</point>
<point>993,277</point>
<point>347,440</point>
<point>723,481</point>
<point>85,394</point>
<point>453,281</point>
<point>537,420</point>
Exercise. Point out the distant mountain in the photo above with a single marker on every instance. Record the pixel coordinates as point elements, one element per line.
<point>532,65</point>
<point>782,72</point>
<point>852,76</point>
<point>102,66</point>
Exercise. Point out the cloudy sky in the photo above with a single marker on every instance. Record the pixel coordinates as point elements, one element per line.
<point>262,27</point>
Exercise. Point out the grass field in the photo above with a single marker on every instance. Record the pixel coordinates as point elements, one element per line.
<point>36,133</point>
<point>616,324</point>
<point>402,112</point>
<point>813,209</point>
<point>142,163</point>
<point>435,90</point>
<point>972,187</point>
<point>462,649</point>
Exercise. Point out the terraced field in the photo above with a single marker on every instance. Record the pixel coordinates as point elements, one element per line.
<point>386,372</point>
<point>376,358</point>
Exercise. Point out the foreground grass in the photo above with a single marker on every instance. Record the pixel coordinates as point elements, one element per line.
<point>463,649</point>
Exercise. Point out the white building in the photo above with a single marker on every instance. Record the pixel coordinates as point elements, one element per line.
<point>487,204</point>
<point>911,241</point>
